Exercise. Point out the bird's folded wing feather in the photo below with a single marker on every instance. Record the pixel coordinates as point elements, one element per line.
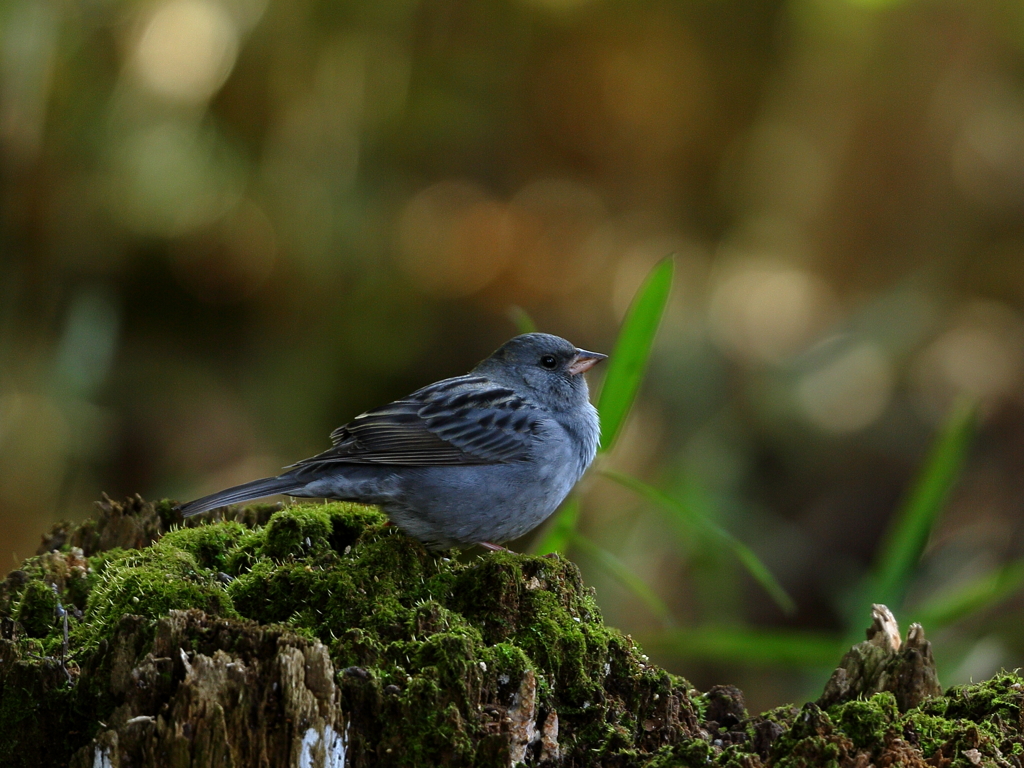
<point>465,420</point>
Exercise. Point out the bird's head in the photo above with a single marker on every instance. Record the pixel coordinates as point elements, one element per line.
<point>547,367</point>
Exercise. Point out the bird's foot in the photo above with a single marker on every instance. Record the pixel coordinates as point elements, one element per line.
<point>493,547</point>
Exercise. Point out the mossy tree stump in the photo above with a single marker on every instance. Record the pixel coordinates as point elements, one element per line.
<point>317,636</point>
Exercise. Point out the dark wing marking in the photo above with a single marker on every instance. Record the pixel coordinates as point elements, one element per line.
<point>465,420</point>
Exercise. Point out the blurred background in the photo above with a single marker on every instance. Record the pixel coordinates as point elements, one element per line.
<point>228,226</point>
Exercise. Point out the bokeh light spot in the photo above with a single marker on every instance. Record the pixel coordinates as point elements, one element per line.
<point>171,178</point>
<point>454,238</point>
<point>762,312</point>
<point>187,49</point>
<point>980,356</point>
<point>86,351</point>
<point>849,392</point>
<point>559,240</point>
<point>988,158</point>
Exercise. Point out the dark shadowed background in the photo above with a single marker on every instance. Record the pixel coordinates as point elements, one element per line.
<point>228,226</point>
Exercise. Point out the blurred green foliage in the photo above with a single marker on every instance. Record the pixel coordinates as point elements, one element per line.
<point>624,374</point>
<point>632,351</point>
<point>914,522</point>
<point>897,562</point>
<point>896,568</point>
<point>228,226</point>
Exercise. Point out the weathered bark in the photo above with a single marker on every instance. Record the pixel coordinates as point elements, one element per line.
<point>319,637</point>
<point>884,662</point>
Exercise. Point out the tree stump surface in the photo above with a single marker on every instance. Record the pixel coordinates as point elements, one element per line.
<point>316,636</point>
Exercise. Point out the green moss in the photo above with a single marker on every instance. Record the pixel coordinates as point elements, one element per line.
<point>440,631</point>
<point>997,699</point>
<point>866,722</point>
<point>65,573</point>
<point>36,609</point>
<point>245,553</point>
<point>295,532</point>
<point>812,741</point>
<point>695,753</point>
<point>431,652</point>
<point>149,583</point>
<point>929,731</point>
<point>349,521</point>
<point>302,531</point>
<point>208,544</point>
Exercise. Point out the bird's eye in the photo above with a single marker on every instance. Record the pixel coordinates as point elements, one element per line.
<point>549,362</point>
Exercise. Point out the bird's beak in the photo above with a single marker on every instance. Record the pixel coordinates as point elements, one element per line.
<point>584,361</point>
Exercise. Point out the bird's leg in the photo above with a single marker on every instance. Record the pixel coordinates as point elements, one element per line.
<point>493,547</point>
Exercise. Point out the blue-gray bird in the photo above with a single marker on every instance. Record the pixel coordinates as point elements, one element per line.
<point>476,459</point>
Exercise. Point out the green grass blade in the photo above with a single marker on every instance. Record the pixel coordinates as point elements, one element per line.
<point>760,573</point>
<point>560,530</point>
<point>976,595</point>
<point>628,360</point>
<point>522,320</point>
<point>686,520</point>
<point>737,645</point>
<point>622,573</point>
<point>916,517</point>
<point>626,369</point>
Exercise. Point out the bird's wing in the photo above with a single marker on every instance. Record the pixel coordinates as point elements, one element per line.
<point>465,420</point>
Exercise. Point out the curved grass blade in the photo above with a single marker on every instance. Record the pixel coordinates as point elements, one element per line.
<point>521,318</point>
<point>976,595</point>
<point>912,525</point>
<point>686,519</point>
<point>626,368</point>
<point>737,645</point>
<point>560,530</point>
<point>628,361</point>
<point>622,573</point>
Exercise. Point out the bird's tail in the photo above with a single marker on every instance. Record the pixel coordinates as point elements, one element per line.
<point>257,489</point>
